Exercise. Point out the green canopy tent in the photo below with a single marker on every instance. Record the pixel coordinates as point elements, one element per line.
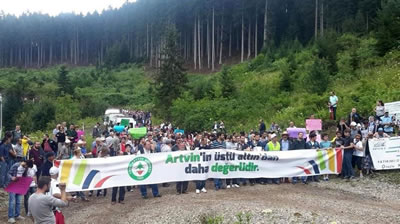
<point>138,133</point>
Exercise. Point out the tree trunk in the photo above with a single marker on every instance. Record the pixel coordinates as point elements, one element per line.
<point>213,41</point>
<point>255,36</point>
<point>194,44</point>
<point>242,48</point>
<point>199,40</point>
<point>230,39</point>
<point>147,40</point>
<point>51,54</point>
<point>322,19</point>
<point>151,45</point>
<point>265,25</point>
<point>249,40</point>
<point>208,42</point>
<point>316,20</point>
<point>221,36</point>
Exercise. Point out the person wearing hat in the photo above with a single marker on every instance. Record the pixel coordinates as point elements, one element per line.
<point>381,134</point>
<point>273,145</point>
<point>354,130</point>
<point>285,142</point>
<point>387,123</point>
<point>48,164</point>
<point>63,150</point>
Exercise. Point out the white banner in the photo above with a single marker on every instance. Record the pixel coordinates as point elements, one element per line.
<point>393,108</point>
<point>385,153</point>
<point>99,173</point>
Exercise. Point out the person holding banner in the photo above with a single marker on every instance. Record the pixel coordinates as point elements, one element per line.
<point>348,148</point>
<point>17,171</point>
<point>358,154</point>
<point>274,145</point>
<point>201,184</point>
<point>182,186</point>
<point>218,143</point>
<point>148,148</point>
<point>313,144</point>
<point>41,205</point>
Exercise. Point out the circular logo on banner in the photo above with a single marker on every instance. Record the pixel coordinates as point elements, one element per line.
<point>139,168</point>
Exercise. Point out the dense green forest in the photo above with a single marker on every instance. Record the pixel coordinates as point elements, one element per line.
<point>299,51</point>
<point>212,32</point>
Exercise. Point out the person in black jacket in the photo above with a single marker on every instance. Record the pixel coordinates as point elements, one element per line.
<point>299,143</point>
<point>262,127</point>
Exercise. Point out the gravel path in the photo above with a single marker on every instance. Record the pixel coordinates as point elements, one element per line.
<point>336,201</point>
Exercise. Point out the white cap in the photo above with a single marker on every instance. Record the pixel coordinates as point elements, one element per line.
<point>80,142</point>
<point>53,171</point>
<point>353,123</point>
<point>67,141</point>
<point>273,136</point>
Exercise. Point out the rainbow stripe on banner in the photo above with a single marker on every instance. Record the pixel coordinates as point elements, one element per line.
<point>335,160</point>
<point>66,167</point>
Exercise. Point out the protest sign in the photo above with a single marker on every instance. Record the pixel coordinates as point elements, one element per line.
<point>393,108</point>
<point>385,153</point>
<point>176,131</point>
<point>138,133</point>
<point>20,186</point>
<point>118,128</point>
<point>314,124</point>
<point>294,132</point>
<point>92,174</point>
<point>125,122</point>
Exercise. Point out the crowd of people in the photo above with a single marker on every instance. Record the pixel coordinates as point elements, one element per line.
<point>21,156</point>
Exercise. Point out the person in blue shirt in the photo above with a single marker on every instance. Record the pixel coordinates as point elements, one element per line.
<point>285,142</point>
<point>387,123</point>
<point>325,143</point>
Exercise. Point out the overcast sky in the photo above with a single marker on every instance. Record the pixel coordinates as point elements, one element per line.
<point>55,7</point>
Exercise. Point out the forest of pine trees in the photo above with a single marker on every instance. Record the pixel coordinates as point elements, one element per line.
<point>212,32</point>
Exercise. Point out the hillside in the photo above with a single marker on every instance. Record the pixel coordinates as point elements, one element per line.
<point>291,85</point>
<point>280,85</point>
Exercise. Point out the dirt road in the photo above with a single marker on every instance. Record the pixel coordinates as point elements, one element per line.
<point>336,201</point>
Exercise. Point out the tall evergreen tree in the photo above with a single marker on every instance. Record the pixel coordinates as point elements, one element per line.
<point>226,81</point>
<point>171,79</point>
<point>64,84</point>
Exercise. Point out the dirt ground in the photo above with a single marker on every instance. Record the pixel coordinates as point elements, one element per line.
<point>360,201</point>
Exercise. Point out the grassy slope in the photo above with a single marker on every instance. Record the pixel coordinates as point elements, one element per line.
<point>259,96</point>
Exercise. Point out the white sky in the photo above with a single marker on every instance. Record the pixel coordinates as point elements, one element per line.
<point>55,7</point>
